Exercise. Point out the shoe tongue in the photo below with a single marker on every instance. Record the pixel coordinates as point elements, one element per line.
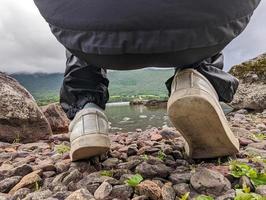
<point>92,105</point>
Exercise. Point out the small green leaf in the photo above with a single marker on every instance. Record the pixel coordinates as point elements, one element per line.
<point>161,155</point>
<point>204,197</point>
<point>134,180</point>
<point>61,149</point>
<point>106,173</point>
<point>185,196</point>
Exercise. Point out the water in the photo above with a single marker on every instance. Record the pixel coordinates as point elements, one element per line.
<point>126,118</point>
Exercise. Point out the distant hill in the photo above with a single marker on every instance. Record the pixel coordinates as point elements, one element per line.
<point>124,85</point>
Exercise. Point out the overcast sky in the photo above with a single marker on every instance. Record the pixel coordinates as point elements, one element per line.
<point>26,43</point>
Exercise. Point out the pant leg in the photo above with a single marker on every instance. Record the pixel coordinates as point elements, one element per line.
<point>82,83</point>
<point>212,68</point>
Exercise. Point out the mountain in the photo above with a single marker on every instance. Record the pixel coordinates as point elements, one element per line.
<point>124,85</point>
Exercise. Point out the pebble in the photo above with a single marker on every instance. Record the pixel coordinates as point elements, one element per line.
<point>209,182</point>
<point>103,191</point>
<point>81,194</point>
<point>150,189</point>
<point>168,193</point>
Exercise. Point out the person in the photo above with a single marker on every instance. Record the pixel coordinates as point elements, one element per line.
<point>123,35</point>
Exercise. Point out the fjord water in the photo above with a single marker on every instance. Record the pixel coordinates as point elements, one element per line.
<point>126,118</point>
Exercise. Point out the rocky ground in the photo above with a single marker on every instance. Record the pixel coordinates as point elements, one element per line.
<point>145,164</point>
<point>43,170</point>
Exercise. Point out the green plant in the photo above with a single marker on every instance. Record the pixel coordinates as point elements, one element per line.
<point>204,197</point>
<point>238,169</point>
<point>37,186</point>
<point>185,196</point>
<point>260,136</point>
<point>106,173</point>
<point>161,155</point>
<point>242,195</point>
<point>144,157</point>
<point>62,148</point>
<point>134,180</point>
<point>17,139</point>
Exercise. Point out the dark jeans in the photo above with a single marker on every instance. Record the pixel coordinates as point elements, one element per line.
<point>85,83</point>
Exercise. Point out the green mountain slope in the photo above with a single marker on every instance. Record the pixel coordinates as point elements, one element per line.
<point>124,85</point>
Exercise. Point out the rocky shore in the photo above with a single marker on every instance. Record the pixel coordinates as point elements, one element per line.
<point>148,164</point>
<point>144,164</point>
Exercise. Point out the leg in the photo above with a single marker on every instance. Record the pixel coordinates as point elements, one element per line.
<point>83,96</point>
<point>194,109</point>
<point>82,83</point>
<point>224,83</point>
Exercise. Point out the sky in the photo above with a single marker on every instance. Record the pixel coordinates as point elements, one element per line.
<point>27,45</point>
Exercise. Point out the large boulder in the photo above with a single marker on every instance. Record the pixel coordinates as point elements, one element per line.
<point>20,117</point>
<point>56,117</point>
<point>251,93</point>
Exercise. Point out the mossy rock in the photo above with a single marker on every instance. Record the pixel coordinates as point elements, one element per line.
<point>255,66</point>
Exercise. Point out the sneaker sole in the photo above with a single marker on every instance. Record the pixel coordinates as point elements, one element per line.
<point>88,146</point>
<point>202,123</point>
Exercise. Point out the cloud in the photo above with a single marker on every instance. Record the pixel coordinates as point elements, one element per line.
<point>28,45</point>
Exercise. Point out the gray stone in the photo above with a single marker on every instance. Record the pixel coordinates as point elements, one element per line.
<point>181,189</point>
<point>21,120</point>
<point>103,191</point>
<point>121,192</point>
<point>209,182</point>
<point>74,175</point>
<point>149,171</point>
<point>110,163</point>
<point>168,193</point>
<point>38,195</point>
<point>21,193</point>
<point>81,194</point>
<point>261,190</point>
<point>229,195</point>
<point>177,178</point>
<point>22,170</point>
<point>8,183</point>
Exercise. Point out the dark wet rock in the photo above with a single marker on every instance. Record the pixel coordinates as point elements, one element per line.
<point>132,150</point>
<point>257,152</point>
<point>61,195</point>
<point>74,176</point>
<point>110,163</point>
<point>94,180</point>
<point>244,180</point>
<point>81,194</point>
<point>121,192</point>
<point>149,171</point>
<point>56,117</point>
<point>8,183</point>
<point>142,197</point>
<point>229,195</point>
<point>261,190</point>
<point>21,193</point>
<point>168,193</point>
<point>150,189</point>
<point>181,189</point>
<point>129,165</point>
<point>21,170</point>
<point>177,154</point>
<point>169,133</point>
<point>48,174</point>
<point>83,166</point>
<point>59,178</point>
<point>177,178</point>
<point>21,120</point>
<point>103,191</point>
<point>209,182</point>
<point>38,195</point>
